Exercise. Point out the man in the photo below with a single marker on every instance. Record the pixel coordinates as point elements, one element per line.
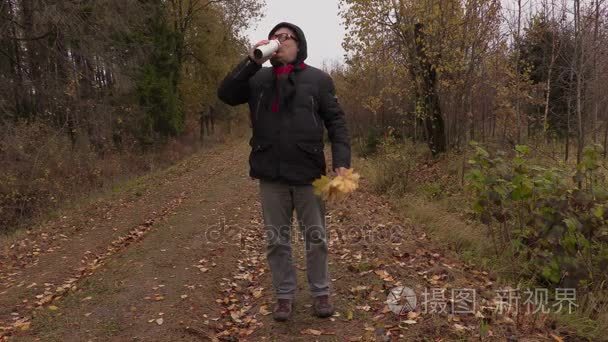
<point>289,103</point>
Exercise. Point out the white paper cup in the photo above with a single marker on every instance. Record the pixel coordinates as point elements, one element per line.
<point>266,50</point>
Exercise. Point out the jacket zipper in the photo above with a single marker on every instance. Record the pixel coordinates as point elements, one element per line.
<point>312,110</point>
<point>257,108</point>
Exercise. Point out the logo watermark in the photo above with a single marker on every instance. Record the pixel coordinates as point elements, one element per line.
<point>463,301</point>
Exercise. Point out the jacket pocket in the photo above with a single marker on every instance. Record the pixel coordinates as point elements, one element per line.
<point>314,151</point>
<point>312,162</point>
<point>313,148</point>
<point>262,161</point>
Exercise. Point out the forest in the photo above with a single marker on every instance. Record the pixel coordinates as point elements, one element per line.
<point>510,100</point>
<point>485,120</point>
<point>93,91</point>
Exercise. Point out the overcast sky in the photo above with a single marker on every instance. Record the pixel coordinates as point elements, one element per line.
<point>317,18</point>
<point>322,25</point>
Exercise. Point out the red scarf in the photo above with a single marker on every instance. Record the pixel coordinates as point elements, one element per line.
<point>282,70</point>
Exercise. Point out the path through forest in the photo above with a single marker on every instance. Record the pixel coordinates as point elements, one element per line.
<point>179,255</point>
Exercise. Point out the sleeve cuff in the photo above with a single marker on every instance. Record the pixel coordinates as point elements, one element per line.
<point>247,68</point>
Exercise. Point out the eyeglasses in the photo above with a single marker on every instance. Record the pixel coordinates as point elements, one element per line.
<point>283,37</point>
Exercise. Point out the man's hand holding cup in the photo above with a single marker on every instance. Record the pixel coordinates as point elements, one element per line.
<point>262,59</point>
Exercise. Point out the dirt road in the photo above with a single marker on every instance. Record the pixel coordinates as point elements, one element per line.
<point>179,255</point>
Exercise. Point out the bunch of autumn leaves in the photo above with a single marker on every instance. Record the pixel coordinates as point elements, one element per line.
<point>335,189</point>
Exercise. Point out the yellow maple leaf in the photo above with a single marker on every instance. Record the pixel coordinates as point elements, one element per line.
<point>320,185</point>
<point>336,189</point>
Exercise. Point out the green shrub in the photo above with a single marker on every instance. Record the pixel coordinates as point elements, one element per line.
<point>394,164</point>
<point>432,190</point>
<point>554,218</point>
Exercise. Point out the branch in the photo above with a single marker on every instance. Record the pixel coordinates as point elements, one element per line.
<point>30,39</point>
<point>190,54</point>
<point>211,2</point>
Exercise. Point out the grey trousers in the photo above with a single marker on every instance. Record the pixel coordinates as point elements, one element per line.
<point>278,203</point>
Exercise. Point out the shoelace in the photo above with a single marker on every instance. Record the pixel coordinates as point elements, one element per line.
<point>323,301</point>
<point>284,305</point>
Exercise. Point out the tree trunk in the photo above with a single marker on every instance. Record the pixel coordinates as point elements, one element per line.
<point>578,64</point>
<point>427,95</point>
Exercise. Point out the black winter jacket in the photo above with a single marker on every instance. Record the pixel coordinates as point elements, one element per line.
<point>288,145</point>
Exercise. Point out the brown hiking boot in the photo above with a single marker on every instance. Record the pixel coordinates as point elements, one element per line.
<point>322,307</point>
<point>282,310</point>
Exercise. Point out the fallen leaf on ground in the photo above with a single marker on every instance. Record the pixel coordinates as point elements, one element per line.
<point>459,327</point>
<point>264,310</point>
<point>311,332</point>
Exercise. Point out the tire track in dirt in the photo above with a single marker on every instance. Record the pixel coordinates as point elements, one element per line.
<point>51,294</point>
<point>19,300</point>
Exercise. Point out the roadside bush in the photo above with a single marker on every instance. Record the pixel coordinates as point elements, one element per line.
<point>42,170</point>
<point>394,163</point>
<point>554,218</point>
